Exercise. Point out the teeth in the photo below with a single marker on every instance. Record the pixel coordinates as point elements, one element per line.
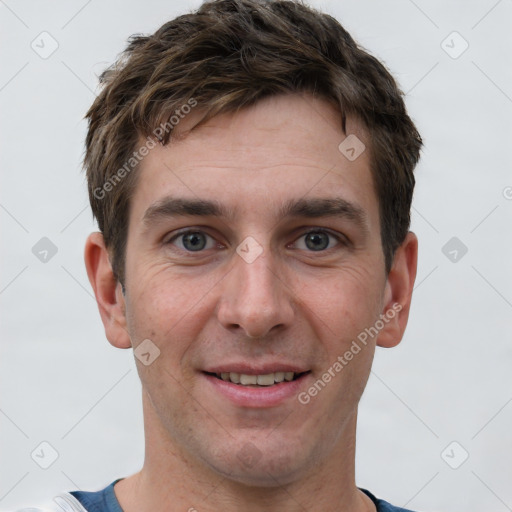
<point>266,380</point>
<point>248,379</point>
<point>279,376</point>
<point>257,380</point>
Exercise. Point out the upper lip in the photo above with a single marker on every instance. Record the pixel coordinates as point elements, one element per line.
<point>256,369</point>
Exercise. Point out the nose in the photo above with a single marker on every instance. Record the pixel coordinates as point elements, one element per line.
<point>257,297</point>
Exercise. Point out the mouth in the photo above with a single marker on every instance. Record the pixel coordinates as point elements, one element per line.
<point>258,381</point>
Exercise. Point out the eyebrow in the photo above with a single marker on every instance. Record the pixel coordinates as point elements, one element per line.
<point>307,208</point>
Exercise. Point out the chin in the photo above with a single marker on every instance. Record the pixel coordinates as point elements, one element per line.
<point>265,474</point>
<point>256,466</point>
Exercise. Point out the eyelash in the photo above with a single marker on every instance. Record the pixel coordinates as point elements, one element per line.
<point>339,238</point>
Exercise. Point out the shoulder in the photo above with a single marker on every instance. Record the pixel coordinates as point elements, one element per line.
<point>81,501</point>
<point>99,501</point>
<point>64,502</point>
<point>383,506</point>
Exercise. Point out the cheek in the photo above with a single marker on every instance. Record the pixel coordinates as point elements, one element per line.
<point>167,314</point>
<point>169,309</point>
<point>344,302</point>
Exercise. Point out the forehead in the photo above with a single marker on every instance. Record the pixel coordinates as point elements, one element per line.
<point>282,149</point>
<point>299,127</point>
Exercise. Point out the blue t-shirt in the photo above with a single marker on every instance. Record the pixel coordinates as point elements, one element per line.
<point>106,501</point>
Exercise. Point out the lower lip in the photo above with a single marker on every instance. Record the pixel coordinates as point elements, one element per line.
<point>246,396</point>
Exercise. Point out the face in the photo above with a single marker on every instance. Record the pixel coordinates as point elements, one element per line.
<point>234,270</point>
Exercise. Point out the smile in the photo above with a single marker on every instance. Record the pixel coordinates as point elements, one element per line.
<point>265,380</point>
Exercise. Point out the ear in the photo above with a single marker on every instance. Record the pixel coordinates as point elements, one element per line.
<point>107,290</point>
<point>398,292</point>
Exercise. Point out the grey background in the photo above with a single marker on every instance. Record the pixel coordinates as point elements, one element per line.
<point>449,380</point>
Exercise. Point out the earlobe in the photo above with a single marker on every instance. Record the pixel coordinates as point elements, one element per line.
<point>398,294</point>
<point>107,291</point>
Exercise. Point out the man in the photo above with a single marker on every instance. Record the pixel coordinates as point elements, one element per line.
<point>251,172</point>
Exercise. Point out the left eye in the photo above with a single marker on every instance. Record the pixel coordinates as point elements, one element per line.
<point>193,240</point>
<point>317,240</point>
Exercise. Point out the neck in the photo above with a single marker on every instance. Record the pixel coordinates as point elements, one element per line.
<point>173,479</point>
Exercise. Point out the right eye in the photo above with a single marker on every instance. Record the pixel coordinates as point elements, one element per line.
<point>191,240</point>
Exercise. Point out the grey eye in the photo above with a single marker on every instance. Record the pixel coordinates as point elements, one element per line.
<point>317,241</point>
<point>194,241</point>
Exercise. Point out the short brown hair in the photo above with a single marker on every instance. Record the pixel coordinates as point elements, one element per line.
<point>227,55</point>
